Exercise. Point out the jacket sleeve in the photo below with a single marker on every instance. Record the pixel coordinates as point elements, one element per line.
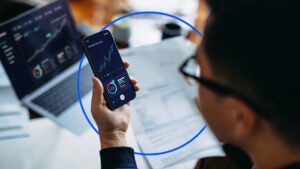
<point>117,158</point>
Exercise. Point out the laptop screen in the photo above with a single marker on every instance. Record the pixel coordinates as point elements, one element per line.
<point>38,45</point>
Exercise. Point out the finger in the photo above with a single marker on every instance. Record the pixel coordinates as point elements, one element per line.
<point>126,64</point>
<point>136,87</point>
<point>104,102</point>
<point>97,95</point>
<point>133,81</point>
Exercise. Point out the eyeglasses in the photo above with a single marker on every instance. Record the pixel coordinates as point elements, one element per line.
<point>191,71</point>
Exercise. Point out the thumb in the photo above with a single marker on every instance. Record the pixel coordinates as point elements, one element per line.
<point>97,96</point>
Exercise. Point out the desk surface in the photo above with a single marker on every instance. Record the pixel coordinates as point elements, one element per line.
<point>52,147</point>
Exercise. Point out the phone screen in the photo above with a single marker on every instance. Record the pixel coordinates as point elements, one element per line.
<point>108,66</point>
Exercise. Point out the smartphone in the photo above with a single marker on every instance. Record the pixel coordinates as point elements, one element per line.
<point>108,67</point>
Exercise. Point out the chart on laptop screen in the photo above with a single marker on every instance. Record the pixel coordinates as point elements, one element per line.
<point>39,44</point>
<point>52,39</point>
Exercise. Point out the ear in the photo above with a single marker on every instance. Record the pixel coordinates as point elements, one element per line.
<point>245,121</point>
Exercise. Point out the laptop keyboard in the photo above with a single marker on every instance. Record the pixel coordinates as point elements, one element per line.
<point>64,94</point>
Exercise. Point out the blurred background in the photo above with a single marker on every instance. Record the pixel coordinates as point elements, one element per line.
<point>97,13</point>
<point>45,145</point>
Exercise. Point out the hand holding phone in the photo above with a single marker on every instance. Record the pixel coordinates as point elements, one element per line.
<point>108,67</point>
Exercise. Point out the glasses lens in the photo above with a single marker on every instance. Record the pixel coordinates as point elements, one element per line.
<point>192,68</point>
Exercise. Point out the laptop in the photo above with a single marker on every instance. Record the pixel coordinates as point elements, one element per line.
<point>40,51</point>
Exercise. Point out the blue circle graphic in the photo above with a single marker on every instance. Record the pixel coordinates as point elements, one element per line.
<point>80,65</point>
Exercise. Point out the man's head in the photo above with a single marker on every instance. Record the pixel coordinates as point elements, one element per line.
<point>252,47</point>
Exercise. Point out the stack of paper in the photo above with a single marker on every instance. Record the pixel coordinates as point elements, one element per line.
<point>164,113</point>
<point>13,122</point>
<point>13,117</point>
<point>3,78</point>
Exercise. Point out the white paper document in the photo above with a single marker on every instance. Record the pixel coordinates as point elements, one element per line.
<point>165,115</point>
<point>3,77</point>
<point>13,122</point>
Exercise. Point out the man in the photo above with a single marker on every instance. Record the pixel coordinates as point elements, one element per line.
<point>248,89</point>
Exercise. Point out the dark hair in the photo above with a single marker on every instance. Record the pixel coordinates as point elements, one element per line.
<point>9,9</point>
<point>255,46</point>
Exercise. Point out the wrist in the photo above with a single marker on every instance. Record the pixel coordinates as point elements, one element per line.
<point>112,139</point>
